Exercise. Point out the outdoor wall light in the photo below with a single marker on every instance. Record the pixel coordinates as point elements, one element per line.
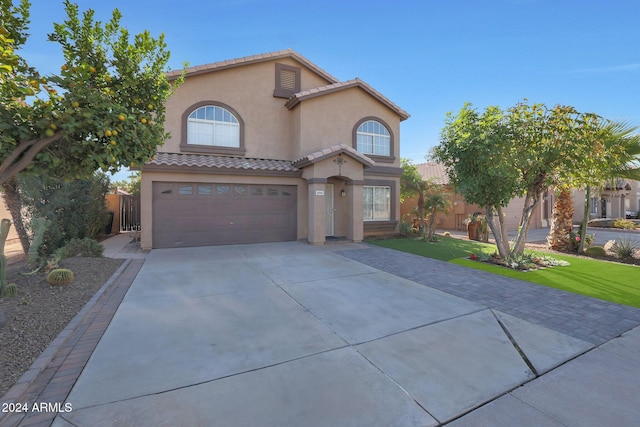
<point>343,193</point>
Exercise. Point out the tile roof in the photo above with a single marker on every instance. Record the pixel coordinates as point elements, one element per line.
<point>222,162</point>
<point>335,87</point>
<point>433,171</point>
<point>237,62</point>
<point>619,184</point>
<point>332,151</point>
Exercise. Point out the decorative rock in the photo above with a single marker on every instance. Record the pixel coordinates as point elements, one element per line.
<point>609,245</point>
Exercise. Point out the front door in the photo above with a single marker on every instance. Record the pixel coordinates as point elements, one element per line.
<point>328,222</point>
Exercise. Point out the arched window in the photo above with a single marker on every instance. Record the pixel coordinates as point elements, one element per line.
<point>373,137</point>
<point>213,125</point>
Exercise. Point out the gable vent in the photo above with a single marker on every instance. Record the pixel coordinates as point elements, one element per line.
<point>288,80</point>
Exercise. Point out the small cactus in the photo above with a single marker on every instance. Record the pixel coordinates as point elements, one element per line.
<point>595,251</point>
<point>60,277</point>
<point>10,290</point>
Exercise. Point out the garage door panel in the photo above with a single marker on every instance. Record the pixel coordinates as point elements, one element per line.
<point>197,214</point>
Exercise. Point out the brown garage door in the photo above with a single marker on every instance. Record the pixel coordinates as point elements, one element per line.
<point>199,214</point>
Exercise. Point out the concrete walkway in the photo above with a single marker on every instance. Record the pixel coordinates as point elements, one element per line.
<point>290,334</point>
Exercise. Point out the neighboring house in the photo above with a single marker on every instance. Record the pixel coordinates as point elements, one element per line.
<point>272,148</point>
<point>454,219</point>
<point>619,199</point>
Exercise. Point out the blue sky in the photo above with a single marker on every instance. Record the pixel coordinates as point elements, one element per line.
<point>429,56</point>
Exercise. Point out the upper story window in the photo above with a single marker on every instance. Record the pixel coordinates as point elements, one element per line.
<point>374,138</point>
<point>212,127</point>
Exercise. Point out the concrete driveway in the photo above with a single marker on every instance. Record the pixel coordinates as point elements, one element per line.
<point>290,334</point>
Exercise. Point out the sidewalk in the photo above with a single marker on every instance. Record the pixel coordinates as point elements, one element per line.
<point>124,246</point>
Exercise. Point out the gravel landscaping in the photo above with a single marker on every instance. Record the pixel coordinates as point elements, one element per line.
<point>30,321</point>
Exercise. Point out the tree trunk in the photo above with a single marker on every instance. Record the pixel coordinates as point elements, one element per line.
<point>562,221</point>
<point>585,219</point>
<point>431,226</point>
<point>498,230</point>
<point>421,224</point>
<point>14,204</point>
<point>530,203</point>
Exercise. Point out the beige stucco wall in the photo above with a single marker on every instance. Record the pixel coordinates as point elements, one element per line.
<point>272,131</point>
<point>146,196</point>
<point>322,124</point>
<point>249,91</point>
<point>347,210</point>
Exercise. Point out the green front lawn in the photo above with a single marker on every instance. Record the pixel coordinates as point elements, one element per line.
<point>598,279</point>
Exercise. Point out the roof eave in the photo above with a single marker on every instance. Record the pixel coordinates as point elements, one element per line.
<point>309,94</point>
<point>247,60</point>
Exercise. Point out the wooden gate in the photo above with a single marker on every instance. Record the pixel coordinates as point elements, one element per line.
<point>129,213</point>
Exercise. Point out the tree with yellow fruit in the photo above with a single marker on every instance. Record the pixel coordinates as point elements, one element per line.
<point>65,124</point>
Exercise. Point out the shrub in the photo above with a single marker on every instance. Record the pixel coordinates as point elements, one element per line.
<point>574,241</point>
<point>624,248</point>
<point>81,247</point>
<point>405,226</point>
<point>624,224</point>
<point>76,209</point>
<point>60,277</point>
<point>596,251</point>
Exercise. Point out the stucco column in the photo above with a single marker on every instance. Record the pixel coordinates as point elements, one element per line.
<point>146,218</point>
<point>355,228</point>
<point>317,214</point>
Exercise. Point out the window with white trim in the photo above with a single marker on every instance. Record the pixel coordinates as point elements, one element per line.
<point>594,205</point>
<point>213,125</point>
<point>372,137</point>
<point>377,203</point>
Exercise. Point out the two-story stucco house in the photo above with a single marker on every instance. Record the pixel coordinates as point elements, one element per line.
<point>272,148</point>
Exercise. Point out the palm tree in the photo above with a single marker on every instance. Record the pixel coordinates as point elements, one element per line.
<point>435,200</point>
<point>613,151</point>
<point>562,220</point>
<point>624,141</point>
<point>412,184</point>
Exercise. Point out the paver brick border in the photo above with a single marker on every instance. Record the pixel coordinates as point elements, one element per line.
<point>53,374</point>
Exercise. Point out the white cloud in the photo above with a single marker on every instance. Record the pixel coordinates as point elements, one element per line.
<point>608,69</point>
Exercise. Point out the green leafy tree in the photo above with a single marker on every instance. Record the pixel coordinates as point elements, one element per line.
<point>497,156</point>
<point>475,150</point>
<point>613,152</point>
<point>105,108</point>
<point>130,185</point>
